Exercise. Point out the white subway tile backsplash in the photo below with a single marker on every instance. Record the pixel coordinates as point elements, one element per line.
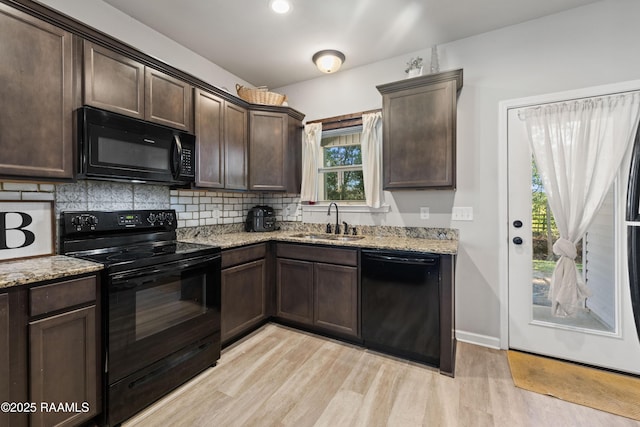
<point>38,196</point>
<point>20,186</point>
<point>9,195</point>
<point>49,188</point>
<point>193,208</point>
<point>185,215</point>
<point>185,200</point>
<point>192,223</point>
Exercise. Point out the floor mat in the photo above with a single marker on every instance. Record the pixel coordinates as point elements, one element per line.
<point>615,393</point>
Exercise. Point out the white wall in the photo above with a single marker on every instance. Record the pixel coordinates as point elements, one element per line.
<point>592,45</point>
<point>110,20</point>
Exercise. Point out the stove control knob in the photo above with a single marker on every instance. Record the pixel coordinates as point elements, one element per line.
<point>91,220</point>
<point>152,218</point>
<point>76,220</point>
<point>169,217</point>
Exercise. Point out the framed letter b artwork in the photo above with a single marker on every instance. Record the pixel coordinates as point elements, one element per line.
<point>26,229</point>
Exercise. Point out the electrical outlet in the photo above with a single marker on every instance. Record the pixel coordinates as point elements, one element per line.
<point>462,214</point>
<point>424,213</point>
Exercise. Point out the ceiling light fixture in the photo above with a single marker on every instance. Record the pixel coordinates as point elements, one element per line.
<point>280,6</point>
<point>328,61</point>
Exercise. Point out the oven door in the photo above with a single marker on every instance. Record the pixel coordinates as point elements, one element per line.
<point>158,310</point>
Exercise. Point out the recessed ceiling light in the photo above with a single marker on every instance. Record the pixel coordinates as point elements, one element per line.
<point>280,6</point>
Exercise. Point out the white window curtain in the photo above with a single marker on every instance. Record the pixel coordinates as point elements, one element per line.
<point>310,156</point>
<point>371,144</point>
<point>578,147</point>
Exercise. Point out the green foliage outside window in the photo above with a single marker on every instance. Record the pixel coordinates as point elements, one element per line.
<point>343,183</point>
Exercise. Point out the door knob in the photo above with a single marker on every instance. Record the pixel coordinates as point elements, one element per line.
<point>517,223</point>
<point>517,240</point>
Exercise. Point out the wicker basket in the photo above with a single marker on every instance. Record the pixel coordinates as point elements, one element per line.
<point>260,95</point>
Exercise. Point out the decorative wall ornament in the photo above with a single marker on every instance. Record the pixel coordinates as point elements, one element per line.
<point>26,229</point>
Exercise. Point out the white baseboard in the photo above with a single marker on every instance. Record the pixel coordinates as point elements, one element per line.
<point>477,339</point>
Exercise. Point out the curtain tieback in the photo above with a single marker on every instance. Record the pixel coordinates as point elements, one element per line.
<point>565,248</point>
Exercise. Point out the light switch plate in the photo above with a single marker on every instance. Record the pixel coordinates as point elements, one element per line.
<point>424,213</point>
<point>462,213</point>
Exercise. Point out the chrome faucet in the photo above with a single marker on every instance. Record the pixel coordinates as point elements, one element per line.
<point>337,229</point>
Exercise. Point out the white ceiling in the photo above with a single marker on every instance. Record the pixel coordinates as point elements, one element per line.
<point>247,39</point>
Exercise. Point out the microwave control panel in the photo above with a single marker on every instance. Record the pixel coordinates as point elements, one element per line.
<point>187,162</point>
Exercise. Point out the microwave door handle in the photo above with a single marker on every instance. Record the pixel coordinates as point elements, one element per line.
<point>177,158</point>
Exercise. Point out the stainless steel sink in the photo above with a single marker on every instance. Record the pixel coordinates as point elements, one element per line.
<point>313,236</point>
<point>347,238</point>
<point>326,236</point>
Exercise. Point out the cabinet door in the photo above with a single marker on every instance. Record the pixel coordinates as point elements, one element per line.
<point>236,147</point>
<point>419,130</point>
<point>36,91</point>
<point>210,143</point>
<point>63,366</point>
<point>5,382</point>
<point>168,100</point>
<point>243,297</point>
<point>112,81</point>
<point>336,298</point>
<point>295,290</point>
<point>268,134</point>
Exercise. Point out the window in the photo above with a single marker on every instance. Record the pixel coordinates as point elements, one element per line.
<point>340,170</point>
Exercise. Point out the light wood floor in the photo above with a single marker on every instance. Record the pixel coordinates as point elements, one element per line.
<point>282,377</point>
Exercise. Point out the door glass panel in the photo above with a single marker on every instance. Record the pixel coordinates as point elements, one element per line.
<point>168,304</point>
<point>595,262</point>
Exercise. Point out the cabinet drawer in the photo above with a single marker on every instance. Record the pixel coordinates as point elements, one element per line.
<point>57,296</point>
<point>318,254</point>
<point>237,256</point>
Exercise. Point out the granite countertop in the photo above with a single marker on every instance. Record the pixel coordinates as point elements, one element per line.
<point>31,270</point>
<point>231,240</point>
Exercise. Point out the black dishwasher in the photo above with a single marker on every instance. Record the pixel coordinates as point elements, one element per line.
<point>400,304</point>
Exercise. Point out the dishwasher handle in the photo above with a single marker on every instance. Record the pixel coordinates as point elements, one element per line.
<point>402,259</point>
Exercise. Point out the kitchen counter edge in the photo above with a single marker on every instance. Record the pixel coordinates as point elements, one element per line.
<point>233,240</point>
<point>40,269</point>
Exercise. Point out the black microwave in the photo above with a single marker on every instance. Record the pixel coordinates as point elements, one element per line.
<point>120,148</point>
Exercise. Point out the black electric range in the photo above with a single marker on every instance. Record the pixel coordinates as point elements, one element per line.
<point>160,301</point>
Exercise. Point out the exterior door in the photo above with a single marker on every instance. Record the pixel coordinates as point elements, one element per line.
<point>604,337</point>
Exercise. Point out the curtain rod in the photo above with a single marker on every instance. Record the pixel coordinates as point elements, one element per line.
<point>344,119</point>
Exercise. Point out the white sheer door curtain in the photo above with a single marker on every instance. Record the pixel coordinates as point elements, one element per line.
<point>578,147</point>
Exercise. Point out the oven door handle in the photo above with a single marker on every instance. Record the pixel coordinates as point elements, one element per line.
<point>154,270</point>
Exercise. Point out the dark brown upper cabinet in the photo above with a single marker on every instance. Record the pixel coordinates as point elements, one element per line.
<point>221,131</point>
<point>113,81</point>
<point>275,149</point>
<point>419,131</point>
<point>120,84</point>
<point>36,112</point>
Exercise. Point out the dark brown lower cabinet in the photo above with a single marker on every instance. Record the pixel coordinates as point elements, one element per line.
<point>63,367</point>
<point>247,294</point>
<point>5,382</point>
<point>50,353</point>
<point>244,296</point>
<point>318,287</point>
<point>295,290</point>
<point>336,298</point>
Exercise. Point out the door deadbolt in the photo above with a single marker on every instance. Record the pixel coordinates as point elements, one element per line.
<point>517,240</point>
<point>517,223</point>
